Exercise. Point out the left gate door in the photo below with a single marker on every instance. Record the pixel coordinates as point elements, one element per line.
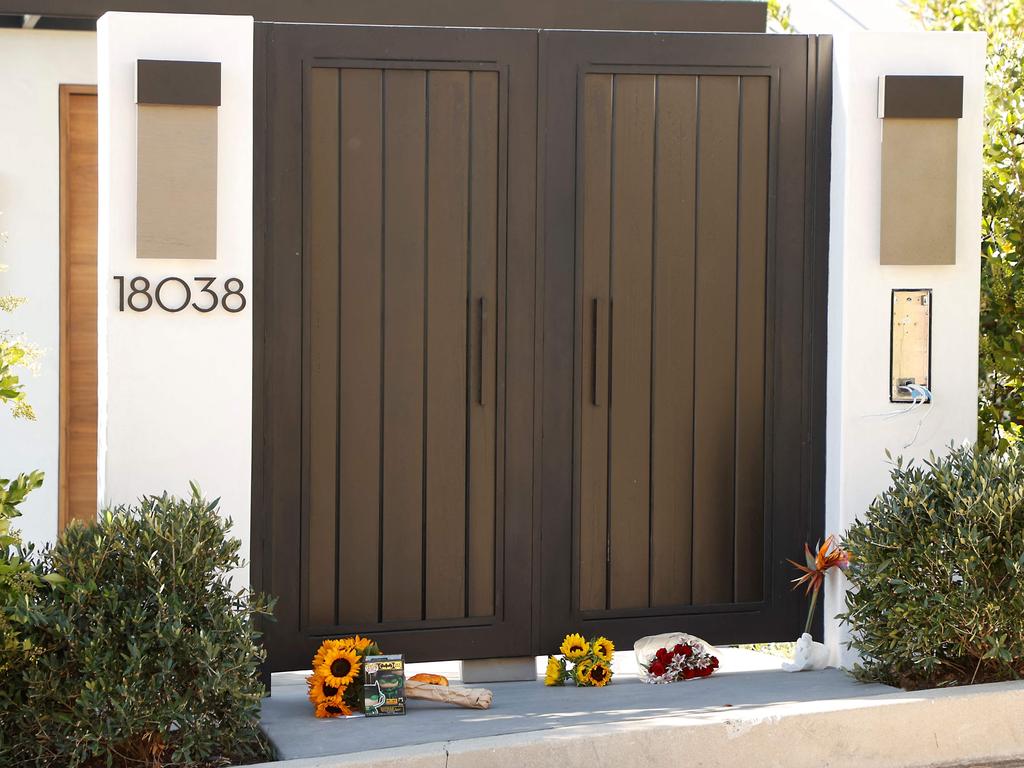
<point>396,339</point>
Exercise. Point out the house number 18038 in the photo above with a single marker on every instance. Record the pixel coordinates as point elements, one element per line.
<point>174,294</point>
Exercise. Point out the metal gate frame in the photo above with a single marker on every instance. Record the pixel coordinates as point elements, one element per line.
<point>545,583</point>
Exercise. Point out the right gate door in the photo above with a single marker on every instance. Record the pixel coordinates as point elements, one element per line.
<point>684,326</point>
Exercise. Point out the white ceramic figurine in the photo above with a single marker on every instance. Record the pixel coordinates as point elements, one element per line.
<point>808,655</point>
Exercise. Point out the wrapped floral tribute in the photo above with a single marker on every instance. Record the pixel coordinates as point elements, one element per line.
<point>588,663</point>
<point>336,685</point>
<point>684,661</point>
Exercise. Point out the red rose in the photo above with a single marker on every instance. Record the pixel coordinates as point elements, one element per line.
<point>714,662</point>
<point>663,655</point>
<point>705,671</point>
<point>686,650</point>
<point>657,668</point>
<point>689,674</point>
<point>678,650</point>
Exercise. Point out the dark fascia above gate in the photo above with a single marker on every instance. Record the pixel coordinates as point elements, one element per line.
<point>651,15</point>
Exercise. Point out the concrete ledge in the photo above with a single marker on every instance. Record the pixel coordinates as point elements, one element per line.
<point>900,730</point>
<point>504,670</point>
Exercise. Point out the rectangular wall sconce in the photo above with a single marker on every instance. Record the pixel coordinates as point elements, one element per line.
<point>919,156</point>
<point>910,345</point>
<point>177,159</point>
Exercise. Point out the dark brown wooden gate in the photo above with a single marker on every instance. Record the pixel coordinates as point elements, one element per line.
<point>684,280</point>
<point>498,399</point>
<point>399,278</point>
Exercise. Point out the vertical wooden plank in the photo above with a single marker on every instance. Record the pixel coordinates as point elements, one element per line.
<point>483,259</point>
<point>672,387</point>
<point>750,335</point>
<point>595,210</point>
<point>447,223</point>
<point>360,320</point>
<point>630,392</point>
<point>715,358</point>
<point>404,163</point>
<point>323,343</point>
<point>78,329</point>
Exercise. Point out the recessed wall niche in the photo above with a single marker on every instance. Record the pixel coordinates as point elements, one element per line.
<point>178,103</point>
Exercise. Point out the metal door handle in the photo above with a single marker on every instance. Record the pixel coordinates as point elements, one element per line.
<point>480,337</point>
<point>599,352</point>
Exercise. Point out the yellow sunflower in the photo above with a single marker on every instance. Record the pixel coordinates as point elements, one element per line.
<point>555,674</point>
<point>581,672</point>
<point>338,664</point>
<point>360,643</point>
<point>335,709</point>
<point>322,693</point>
<point>574,647</point>
<point>604,649</point>
<point>599,674</point>
<point>325,647</point>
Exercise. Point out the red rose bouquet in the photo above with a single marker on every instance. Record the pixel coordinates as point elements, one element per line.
<point>681,662</point>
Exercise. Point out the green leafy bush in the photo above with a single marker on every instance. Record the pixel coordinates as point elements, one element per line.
<point>18,581</point>
<point>1001,385</point>
<point>937,570</point>
<point>147,656</point>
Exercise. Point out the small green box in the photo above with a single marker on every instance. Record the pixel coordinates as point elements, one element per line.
<point>384,685</point>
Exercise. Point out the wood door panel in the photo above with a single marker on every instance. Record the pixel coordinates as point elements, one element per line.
<point>629,404</point>
<point>660,181</point>
<point>77,496</point>
<point>323,330</point>
<point>751,305</point>
<point>446,348</point>
<point>361,310</point>
<point>595,192</point>
<point>412,296</point>
<point>404,354</point>
<point>484,181</point>
<point>673,330</point>
<point>714,362</point>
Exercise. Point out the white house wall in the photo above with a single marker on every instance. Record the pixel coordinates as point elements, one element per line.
<point>33,65</point>
<point>175,394</point>
<point>861,424</point>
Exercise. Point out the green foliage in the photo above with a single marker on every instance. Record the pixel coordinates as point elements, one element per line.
<point>18,582</point>
<point>1001,406</point>
<point>15,352</point>
<point>779,17</point>
<point>146,656</point>
<point>937,569</point>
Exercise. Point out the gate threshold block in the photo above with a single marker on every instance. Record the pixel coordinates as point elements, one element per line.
<point>502,670</point>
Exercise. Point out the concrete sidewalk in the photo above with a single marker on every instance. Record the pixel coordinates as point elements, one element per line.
<point>746,680</point>
<point>749,713</point>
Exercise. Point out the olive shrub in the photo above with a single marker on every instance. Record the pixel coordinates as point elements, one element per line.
<point>146,655</point>
<point>937,572</point>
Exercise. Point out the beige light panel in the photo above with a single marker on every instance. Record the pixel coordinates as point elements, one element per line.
<point>177,182</point>
<point>918,190</point>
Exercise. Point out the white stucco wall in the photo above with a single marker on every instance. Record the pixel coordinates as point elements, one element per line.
<point>859,288</point>
<point>175,389</point>
<point>33,65</point>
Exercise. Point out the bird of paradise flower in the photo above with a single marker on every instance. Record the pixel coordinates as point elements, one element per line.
<point>826,557</point>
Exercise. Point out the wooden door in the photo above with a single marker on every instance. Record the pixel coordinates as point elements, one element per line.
<point>680,370</point>
<point>399,328</point>
<point>77,498</point>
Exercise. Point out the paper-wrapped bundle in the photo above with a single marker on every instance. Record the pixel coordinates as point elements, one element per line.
<point>472,698</point>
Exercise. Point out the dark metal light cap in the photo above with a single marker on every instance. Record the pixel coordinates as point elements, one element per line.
<point>195,83</point>
<point>921,96</point>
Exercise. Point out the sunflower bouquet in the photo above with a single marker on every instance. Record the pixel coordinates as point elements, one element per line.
<point>588,663</point>
<point>336,685</point>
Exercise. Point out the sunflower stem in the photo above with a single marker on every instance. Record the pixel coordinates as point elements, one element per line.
<point>810,612</point>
